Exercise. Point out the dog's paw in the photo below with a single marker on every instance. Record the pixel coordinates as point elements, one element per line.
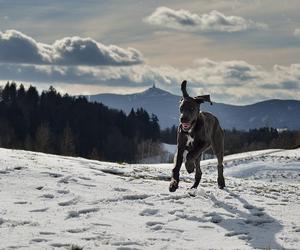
<point>190,166</point>
<point>173,185</point>
<point>221,182</point>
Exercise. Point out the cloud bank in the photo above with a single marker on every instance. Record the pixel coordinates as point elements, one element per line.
<point>214,21</point>
<point>236,82</point>
<point>16,47</point>
<point>75,60</point>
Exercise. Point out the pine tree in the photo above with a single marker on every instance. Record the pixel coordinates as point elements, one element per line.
<point>42,138</point>
<point>67,146</point>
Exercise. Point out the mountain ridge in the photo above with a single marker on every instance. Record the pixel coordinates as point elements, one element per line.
<point>276,113</point>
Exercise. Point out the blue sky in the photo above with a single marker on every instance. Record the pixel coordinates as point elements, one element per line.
<point>240,52</point>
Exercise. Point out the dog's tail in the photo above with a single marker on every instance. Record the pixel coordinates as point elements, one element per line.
<point>183,89</point>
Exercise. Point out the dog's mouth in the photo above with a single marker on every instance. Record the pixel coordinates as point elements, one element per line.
<point>186,126</point>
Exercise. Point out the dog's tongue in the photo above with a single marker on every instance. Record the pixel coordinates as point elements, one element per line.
<point>186,125</point>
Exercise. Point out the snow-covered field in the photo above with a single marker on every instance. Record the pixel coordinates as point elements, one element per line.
<point>52,202</point>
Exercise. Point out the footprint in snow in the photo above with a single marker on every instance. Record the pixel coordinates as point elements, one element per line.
<point>118,189</point>
<point>135,196</point>
<point>46,233</point>
<point>101,224</point>
<point>175,230</point>
<point>39,210</point>
<point>60,245</point>
<point>87,185</point>
<point>67,179</point>
<point>175,210</point>
<point>52,174</point>
<point>248,206</point>
<point>235,233</point>
<point>85,178</point>
<point>155,225</point>
<point>189,217</point>
<point>148,212</point>
<point>258,221</point>
<point>175,197</point>
<point>63,191</point>
<point>75,214</point>
<point>94,238</point>
<point>258,214</point>
<point>77,230</point>
<point>47,196</point>
<point>126,243</point>
<point>68,202</point>
<point>38,240</point>
<point>205,226</point>
<point>245,237</point>
<point>20,202</point>
<point>214,217</point>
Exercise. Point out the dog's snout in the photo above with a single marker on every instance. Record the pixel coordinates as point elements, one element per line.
<point>183,119</point>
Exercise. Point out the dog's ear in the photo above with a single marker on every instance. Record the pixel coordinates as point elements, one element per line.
<point>183,89</point>
<point>203,98</point>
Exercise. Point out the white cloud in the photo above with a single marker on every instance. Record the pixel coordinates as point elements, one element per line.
<point>16,47</point>
<point>214,21</point>
<point>297,33</point>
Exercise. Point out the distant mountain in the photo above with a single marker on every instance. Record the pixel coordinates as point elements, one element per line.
<point>154,100</point>
<point>274,113</point>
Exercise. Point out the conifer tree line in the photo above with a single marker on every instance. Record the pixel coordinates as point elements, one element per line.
<point>242,141</point>
<point>67,125</point>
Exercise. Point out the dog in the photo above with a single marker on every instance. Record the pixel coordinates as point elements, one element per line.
<point>197,132</point>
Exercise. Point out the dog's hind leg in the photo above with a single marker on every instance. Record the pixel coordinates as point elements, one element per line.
<point>221,180</point>
<point>198,173</point>
<point>218,148</point>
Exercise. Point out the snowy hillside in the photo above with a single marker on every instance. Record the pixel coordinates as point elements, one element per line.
<point>52,202</point>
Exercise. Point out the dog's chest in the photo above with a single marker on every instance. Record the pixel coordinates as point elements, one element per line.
<point>189,141</point>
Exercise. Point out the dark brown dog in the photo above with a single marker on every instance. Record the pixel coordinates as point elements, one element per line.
<point>197,132</point>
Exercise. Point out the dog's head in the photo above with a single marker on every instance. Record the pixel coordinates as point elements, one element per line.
<point>189,108</point>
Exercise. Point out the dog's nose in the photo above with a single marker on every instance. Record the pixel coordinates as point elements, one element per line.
<point>183,119</point>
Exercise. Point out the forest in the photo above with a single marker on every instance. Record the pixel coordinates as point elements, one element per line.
<point>66,125</point>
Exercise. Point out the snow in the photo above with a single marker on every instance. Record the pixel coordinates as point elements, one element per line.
<point>170,148</point>
<point>54,202</point>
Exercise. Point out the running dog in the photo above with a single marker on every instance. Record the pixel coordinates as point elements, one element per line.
<point>197,132</point>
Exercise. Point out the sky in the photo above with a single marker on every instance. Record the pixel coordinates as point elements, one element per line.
<point>238,51</point>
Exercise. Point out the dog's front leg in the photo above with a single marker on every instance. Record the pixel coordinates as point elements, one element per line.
<point>198,174</point>
<point>175,171</point>
<point>194,155</point>
<point>191,159</point>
